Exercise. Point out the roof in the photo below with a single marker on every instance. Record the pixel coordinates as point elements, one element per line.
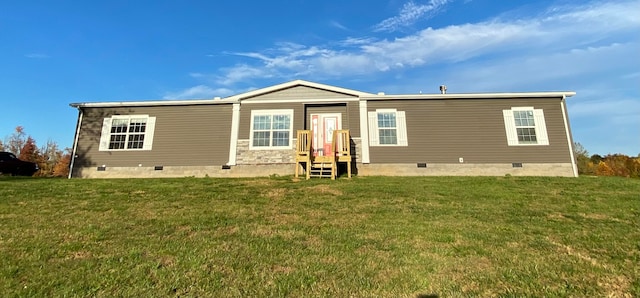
<point>290,84</point>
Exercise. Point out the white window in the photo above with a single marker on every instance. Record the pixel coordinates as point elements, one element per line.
<point>271,129</point>
<point>525,126</point>
<point>387,127</point>
<point>127,132</point>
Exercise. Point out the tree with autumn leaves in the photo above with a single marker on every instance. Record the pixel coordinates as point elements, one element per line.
<point>608,165</point>
<point>52,161</point>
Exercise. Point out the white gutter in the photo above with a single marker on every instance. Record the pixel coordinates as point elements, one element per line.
<point>75,143</point>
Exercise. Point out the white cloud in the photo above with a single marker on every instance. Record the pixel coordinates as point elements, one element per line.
<point>554,31</point>
<point>199,92</point>
<point>409,14</point>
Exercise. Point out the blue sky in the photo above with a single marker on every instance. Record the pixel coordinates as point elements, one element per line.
<point>53,53</point>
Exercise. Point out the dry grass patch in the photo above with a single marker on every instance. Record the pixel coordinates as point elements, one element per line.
<point>323,189</point>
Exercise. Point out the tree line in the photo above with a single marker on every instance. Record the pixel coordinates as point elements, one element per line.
<point>52,161</point>
<point>608,165</point>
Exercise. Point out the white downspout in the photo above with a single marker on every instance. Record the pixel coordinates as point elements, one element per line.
<point>75,142</point>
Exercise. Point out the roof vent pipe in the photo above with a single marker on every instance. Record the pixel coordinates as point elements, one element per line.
<point>443,89</point>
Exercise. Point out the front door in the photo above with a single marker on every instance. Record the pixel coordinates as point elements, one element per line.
<point>322,127</point>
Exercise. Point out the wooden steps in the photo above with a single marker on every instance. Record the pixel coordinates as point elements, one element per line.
<point>323,166</point>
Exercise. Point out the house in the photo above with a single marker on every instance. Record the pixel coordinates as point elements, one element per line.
<point>257,134</point>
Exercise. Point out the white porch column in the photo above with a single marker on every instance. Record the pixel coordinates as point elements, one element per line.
<point>364,131</point>
<point>235,126</point>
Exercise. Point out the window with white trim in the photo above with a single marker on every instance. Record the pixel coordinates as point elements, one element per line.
<point>271,129</point>
<point>127,132</point>
<point>387,127</point>
<point>525,126</point>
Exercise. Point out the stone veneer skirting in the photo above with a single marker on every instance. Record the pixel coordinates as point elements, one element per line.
<point>246,156</point>
<point>264,170</point>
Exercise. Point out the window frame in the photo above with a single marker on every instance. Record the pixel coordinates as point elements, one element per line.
<point>511,129</point>
<point>400,128</point>
<point>147,143</point>
<point>271,130</point>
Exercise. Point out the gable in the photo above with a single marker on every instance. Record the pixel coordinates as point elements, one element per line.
<point>299,93</point>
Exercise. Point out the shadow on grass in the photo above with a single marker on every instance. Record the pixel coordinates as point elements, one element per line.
<point>427,296</point>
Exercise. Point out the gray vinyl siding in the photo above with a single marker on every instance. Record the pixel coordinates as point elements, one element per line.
<point>196,135</point>
<point>442,131</point>
<point>300,93</point>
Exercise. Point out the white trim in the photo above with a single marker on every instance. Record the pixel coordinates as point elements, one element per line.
<point>105,134</point>
<point>150,103</point>
<point>510,127</point>
<point>401,128</point>
<point>297,100</point>
<point>364,132</point>
<point>522,109</point>
<point>569,141</point>
<point>541,127</point>
<point>373,128</point>
<point>235,128</point>
<point>149,133</point>
<point>542,138</point>
<point>509,95</point>
<point>271,112</point>
<point>75,143</point>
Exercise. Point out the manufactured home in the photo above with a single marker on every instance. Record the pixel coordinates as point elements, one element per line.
<point>311,129</point>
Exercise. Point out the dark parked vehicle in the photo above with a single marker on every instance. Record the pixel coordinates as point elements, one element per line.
<point>10,164</point>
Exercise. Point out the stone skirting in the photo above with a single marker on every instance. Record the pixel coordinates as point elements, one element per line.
<point>265,170</point>
<point>527,169</point>
<point>246,156</point>
<point>186,171</point>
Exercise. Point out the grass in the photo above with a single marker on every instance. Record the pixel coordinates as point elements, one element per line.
<point>364,237</point>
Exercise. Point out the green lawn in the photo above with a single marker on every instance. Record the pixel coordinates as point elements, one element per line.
<point>363,237</point>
